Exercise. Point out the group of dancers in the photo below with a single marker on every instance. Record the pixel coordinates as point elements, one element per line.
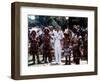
<point>73,43</point>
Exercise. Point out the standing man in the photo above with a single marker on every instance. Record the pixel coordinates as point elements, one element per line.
<point>34,47</point>
<point>67,47</point>
<point>76,49</point>
<point>51,33</point>
<point>58,36</point>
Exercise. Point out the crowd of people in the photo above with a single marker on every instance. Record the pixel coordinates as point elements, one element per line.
<point>53,43</point>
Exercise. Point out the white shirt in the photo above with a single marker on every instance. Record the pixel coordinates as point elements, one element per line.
<point>57,37</point>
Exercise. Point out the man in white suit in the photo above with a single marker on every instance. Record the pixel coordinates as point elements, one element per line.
<point>58,35</point>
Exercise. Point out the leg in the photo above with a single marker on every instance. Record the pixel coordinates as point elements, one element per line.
<point>65,60</point>
<point>38,59</point>
<point>56,56</point>
<point>77,61</point>
<point>59,56</point>
<point>42,52</point>
<point>49,57</point>
<point>45,57</point>
<point>74,56</point>
<point>33,58</point>
<point>69,60</point>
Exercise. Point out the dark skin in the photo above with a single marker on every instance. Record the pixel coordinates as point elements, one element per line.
<point>66,46</point>
<point>34,47</point>
<point>34,40</point>
<point>66,39</point>
<point>47,47</point>
<point>57,29</point>
<point>76,50</point>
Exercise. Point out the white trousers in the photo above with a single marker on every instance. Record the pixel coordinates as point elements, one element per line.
<point>58,54</point>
